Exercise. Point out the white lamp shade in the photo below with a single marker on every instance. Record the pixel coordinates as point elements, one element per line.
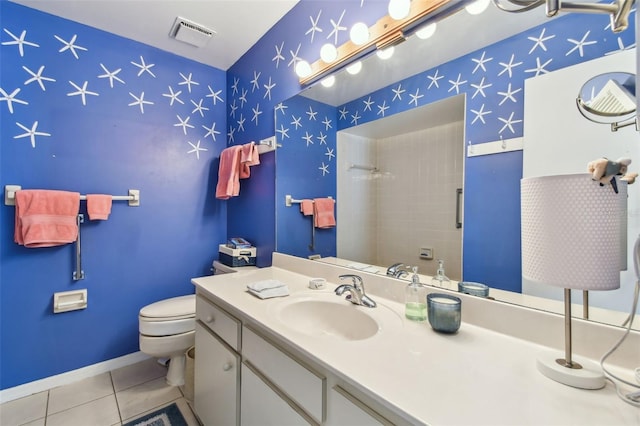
<point>571,231</point>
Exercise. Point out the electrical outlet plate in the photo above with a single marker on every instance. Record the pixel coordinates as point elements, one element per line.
<point>426,253</point>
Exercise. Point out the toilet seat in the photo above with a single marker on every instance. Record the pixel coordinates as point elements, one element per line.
<point>168,317</point>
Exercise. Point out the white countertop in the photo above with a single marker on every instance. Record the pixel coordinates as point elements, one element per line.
<point>474,377</point>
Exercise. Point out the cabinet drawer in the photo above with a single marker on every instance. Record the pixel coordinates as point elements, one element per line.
<point>220,322</point>
<point>297,382</point>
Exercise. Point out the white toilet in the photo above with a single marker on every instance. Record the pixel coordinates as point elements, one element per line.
<point>167,330</point>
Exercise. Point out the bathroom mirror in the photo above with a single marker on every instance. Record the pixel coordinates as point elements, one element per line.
<point>609,98</point>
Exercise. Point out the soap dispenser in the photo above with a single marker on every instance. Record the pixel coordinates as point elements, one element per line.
<point>416,299</point>
<point>441,279</point>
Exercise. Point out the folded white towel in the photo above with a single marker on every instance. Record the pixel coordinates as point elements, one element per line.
<point>265,285</point>
<point>271,292</point>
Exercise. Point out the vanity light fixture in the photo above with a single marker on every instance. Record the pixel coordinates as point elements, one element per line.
<point>328,53</point>
<point>354,68</point>
<point>399,9</point>
<point>619,10</point>
<point>359,33</point>
<point>426,31</point>
<point>477,7</point>
<point>385,53</point>
<point>328,81</point>
<point>303,69</point>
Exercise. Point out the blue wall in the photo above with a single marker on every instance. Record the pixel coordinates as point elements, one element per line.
<point>140,254</point>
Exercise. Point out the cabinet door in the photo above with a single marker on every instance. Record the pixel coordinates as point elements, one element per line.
<point>262,406</point>
<point>217,375</point>
<point>345,409</point>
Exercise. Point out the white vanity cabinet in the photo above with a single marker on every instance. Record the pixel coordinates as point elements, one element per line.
<point>217,365</point>
<point>346,409</point>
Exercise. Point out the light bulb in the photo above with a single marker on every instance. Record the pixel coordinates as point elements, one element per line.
<point>359,34</point>
<point>354,68</point>
<point>328,53</point>
<point>303,69</point>
<point>399,9</point>
<point>385,53</point>
<point>477,7</point>
<point>426,31</point>
<point>328,81</point>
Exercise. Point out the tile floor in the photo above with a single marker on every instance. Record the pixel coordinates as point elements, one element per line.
<point>108,399</point>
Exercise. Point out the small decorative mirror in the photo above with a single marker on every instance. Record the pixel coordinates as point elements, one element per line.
<point>610,99</point>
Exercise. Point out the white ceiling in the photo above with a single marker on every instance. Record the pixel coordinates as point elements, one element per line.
<point>239,24</point>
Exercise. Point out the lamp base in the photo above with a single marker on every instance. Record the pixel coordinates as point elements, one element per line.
<point>588,376</point>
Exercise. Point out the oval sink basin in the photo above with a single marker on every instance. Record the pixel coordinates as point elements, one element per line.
<point>338,319</point>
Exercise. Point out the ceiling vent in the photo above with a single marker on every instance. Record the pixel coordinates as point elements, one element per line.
<point>189,32</point>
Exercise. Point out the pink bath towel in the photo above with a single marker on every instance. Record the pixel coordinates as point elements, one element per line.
<point>46,218</point>
<point>229,173</point>
<point>99,206</point>
<point>248,157</point>
<point>323,213</point>
<point>306,207</point>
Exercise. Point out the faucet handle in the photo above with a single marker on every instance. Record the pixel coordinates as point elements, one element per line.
<point>356,280</point>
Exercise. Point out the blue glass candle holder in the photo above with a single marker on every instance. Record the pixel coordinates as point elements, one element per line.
<point>444,312</point>
<point>474,289</point>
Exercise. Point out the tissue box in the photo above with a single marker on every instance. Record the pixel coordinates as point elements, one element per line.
<point>237,257</point>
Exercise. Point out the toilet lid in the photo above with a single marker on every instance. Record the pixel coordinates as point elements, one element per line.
<point>182,306</point>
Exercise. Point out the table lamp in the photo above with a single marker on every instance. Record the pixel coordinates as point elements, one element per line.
<point>571,238</point>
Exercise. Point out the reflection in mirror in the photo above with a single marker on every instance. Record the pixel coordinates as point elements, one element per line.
<point>610,99</point>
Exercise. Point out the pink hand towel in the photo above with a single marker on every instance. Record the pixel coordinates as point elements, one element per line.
<point>323,213</point>
<point>229,173</point>
<point>248,157</point>
<point>306,207</point>
<point>99,206</point>
<point>46,218</point>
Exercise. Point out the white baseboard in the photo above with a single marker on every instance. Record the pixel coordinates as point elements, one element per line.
<point>51,382</point>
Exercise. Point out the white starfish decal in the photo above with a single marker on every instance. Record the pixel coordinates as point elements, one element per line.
<point>322,138</point>
<point>284,133</point>
<point>230,135</point>
<point>314,26</point>
<point>312,114</point>
<point>294,57</point>
<point>10,98</point>
<point>139,101</point>
<point>382,108</point>
<point>31,133</point>
<point>254,82</point>
<point>308,138</point>
<point>480,114</point>
<point>355,117</point>
<point>198,107</point>
<point>621,47</point>
<point>456,84</point>
<point>480,63</point>
<point>268,88</point>
<point>19,41</point>
<point>234,86</point>
<point>343,113</point>
<point>183,123</point>
<point>508,67</point>
<point>434,80</point>
<point>579,45</point>
<point>82,91</point>
<point>234,107</point>
<point>397,92</point>
<point>70,45</point>
<point>281,107</point>
<point>480,88</point>
<point>327,123</point>
<point>368,103</point>
<point>37,77</point>
<point>509,123</point>
<point>508,95</point>
<point>278,56</point>
<point>187,81</point>
<point>173,96</point>
<point>214,95</point>
<point>539,41</point>
<point>211,131</point>
<point>144,67</point>
<point>256,112</point>
<point>415,97</point>
<point>337,28</point>
<point>296,121</point>
<point>241,123</point>
<point>111,75</point>
<point>324,168</point>
<point>243,97</point>
<point>329,153</point>
<point>196,148</point>
<point>539,69</point>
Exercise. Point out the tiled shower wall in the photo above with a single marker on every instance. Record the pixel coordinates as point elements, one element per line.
<point>395,213</point>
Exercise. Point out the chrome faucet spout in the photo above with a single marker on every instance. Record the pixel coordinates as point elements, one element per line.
<point>356,294</point>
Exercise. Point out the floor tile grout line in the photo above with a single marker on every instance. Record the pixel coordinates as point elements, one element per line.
<point>115,396</point>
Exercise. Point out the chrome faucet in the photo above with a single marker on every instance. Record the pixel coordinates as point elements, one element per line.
<point>356,294</point>
<point>397,270</point>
